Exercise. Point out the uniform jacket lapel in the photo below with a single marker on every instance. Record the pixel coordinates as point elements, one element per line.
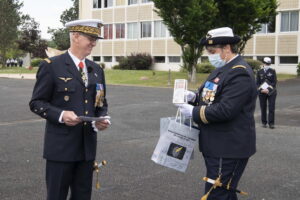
<point>71,67</point>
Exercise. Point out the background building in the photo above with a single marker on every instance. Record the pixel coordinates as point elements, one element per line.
<point>132,26</point>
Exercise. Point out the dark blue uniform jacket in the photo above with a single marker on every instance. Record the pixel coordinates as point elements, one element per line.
<point>59,87</point>
<point>227,126</point>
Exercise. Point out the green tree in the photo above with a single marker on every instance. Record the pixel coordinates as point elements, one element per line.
<point>30,39</point>
<point>10,19</point>
<point>60,36</point>
<point>245,17</point>
<point>188,21</point>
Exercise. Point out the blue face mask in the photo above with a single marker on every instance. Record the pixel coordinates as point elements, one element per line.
<point>216,60</point>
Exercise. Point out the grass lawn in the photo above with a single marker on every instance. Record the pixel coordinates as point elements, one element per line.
<point>140,77</point>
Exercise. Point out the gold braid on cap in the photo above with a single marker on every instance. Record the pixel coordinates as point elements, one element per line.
<point>86,29</point>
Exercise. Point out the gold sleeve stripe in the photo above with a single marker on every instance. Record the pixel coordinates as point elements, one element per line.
<point>239,66</point>
<point>202,115</point>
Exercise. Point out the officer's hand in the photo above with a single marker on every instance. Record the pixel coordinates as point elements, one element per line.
<point>70,118</point>
<point>265,91</point>
<point>190,96</point>
<point>186,109</point>
<point>101,125</point>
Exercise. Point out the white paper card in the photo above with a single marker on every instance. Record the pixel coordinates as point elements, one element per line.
<point>90,119</point>
<point>180,86</point>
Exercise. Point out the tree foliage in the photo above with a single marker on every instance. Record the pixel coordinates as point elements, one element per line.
<point>188,21</point>
<point>245,17</point>
<point>60,36</point>
<point>10,19</point>
<point>30,39</point>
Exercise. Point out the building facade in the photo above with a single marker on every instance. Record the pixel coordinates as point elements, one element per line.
<point>132,26</point>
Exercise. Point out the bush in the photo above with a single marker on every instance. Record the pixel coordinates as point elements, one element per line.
<point>298,69</point>
<point>139,61</point>
<point>116,67</point>
<point>254,64</point>
<point>205,68</point>
<point>36,62</point>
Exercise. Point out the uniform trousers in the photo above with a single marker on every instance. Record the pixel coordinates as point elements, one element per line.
<point>265,99</point>
<point>231,169</point>
<point>62,176</point>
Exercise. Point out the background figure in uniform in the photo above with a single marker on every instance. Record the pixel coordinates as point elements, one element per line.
<point>268,95</point>
<point>8,62</point>
<point>66,88</point>
<point>20,61</point>
<point>224,108</point>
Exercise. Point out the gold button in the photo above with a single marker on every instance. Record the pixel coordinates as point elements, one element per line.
<point>44,114</point>
<point>66,89</point>
<point>85,123</point>
<point>86,112</point>
<point>86,101</point>
<point>86,90</point>
<point>35,110</point>
<point>41,108</point>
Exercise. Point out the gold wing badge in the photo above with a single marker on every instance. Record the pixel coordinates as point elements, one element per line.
<point>65,79</point>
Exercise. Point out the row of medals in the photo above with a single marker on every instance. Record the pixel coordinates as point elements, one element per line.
<point>209,96</point>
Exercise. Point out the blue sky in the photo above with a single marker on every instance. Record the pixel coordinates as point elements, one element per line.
<point>46,13</point>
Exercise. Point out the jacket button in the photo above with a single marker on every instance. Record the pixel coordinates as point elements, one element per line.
<point>85,123</point>
<point>66,89</point>
<point>86,112</point>
<point>86,90</point>
<point>86,101</point>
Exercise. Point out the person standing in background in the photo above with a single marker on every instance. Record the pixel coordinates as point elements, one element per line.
<point>267,95</point>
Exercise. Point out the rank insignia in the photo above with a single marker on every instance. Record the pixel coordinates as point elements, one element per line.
<point>66,98</point>
<point>209,92</point>
<point>65,79</point>
<point>99,95</point>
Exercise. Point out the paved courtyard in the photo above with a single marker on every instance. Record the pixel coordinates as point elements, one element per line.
<point>272,174</point>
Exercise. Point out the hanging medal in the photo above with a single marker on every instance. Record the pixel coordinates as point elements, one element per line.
<point>99,95</point>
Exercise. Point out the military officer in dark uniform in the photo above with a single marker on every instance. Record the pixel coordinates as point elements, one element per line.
<point>224,108</point>
<point>68,86</point>
<point>266,81</point>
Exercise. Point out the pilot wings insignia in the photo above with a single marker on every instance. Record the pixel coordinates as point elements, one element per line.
<point>65,79</point>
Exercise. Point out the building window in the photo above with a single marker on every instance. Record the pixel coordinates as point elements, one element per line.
<point>120,30</point>
<point>146,1</point>
<point>260,58</point>
<point>269,27</point>
<point>119,58</point>
<point>288,59</point>
<point>132,30</point>
<point>97,4</point>
<point>289,21</point>
<point>96,58</point>
<point>108,31</point>
<point>204,59</point>
<point>130,2</point>
<point>145,29</point>
<point>107,58</point>
<point>159,59</point>
<point>108,3</point>
<point>159,29</point>
<point>174,59</point>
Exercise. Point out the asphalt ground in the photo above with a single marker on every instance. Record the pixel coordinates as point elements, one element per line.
<point>272,173</point>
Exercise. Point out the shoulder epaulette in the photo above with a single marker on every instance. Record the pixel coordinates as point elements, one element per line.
<point>47,60</point>
<point>238,66</point>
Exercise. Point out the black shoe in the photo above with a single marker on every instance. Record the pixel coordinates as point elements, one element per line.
<point>271,126</point>
<point>264,125</point>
